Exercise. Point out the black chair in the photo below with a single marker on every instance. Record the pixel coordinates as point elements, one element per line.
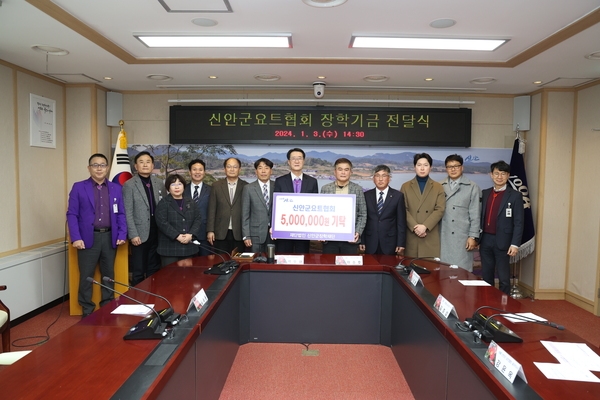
<point>4,325</point>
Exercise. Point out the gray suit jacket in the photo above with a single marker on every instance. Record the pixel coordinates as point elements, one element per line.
<point>256,216</point>
<point>137,208</point>
<point>220,209</point>
<point>361,205</point>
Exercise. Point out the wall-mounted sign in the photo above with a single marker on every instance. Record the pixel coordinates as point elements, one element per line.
<point>320,125</point>
<point>42,121</point>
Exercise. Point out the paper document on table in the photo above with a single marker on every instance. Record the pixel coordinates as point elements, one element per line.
<point>133,309</point>
<point>524,315</point>
<point>473,282</point>
<point>566,372</point>
<point>578,355</point>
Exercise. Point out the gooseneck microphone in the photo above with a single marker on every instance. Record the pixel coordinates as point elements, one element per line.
<point>413,266</point>
<point>148,328</point>
<point>488,328</point>
<point>222,268</point>
<point>167,315</point>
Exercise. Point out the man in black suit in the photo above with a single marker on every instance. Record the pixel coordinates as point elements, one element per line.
<point>385,232</point>
<point>200,193</point>
<point>501,226</point>
<point>295,182</point>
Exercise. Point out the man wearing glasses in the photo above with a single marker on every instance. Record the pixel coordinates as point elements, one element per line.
<point>97,225</point>
<point>501,226</point>
<point>224,223</point>
<point>385,232</point>
<point>295,182</point>
<point>460,223</point>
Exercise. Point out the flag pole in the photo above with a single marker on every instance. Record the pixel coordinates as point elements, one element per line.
<point>515,292</point>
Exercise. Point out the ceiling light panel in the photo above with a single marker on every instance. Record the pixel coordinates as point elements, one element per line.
<point>415,43</point>
<point>273,41</point>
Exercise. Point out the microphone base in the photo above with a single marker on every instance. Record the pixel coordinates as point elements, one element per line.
<point>147,329</point>
<point>169,317</point>
<point>494,330</point>
<point>223,268</point>
<point>418,269</point>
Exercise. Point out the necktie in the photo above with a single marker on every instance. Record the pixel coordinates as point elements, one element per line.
<point>266,195</point>
<point>380,203</point>
<point>150,198</point>
<point>196,197</point>
<point>231,194</point>
<point>453,185</point>
<point>297,183</point>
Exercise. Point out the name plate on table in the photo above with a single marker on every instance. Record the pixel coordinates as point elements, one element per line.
<point>415,278</point>
<point>289,259</point>
<point>444,307</point>
<point>504,363</point>
<point>199,300</point>
<point>348,260</point>
<point>310,216</point>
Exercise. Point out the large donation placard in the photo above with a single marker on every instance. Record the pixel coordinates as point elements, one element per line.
<point>304,216</point>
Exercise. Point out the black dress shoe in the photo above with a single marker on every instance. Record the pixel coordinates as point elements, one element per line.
<point>84,315</point>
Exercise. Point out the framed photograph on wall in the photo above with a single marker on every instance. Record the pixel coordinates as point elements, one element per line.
<point>42,121</point>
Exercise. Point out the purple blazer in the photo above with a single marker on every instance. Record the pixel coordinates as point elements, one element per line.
<point>81,213</point>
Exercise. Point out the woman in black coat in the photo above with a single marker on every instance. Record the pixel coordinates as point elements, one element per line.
<point>178,221</point>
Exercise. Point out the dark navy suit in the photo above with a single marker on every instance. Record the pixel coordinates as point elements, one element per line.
<point>285,184</point>
<point>202,204</point>
<point>388,230</point>
<point>509,231</point>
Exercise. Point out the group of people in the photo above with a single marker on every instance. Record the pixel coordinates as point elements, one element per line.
<point>451,218</point>
<point>176,220</point>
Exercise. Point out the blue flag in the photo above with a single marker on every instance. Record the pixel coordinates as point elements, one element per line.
<point>518,181</point>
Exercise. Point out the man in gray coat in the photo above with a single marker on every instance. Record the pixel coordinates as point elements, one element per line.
<point>460,223</point>
<point>257,202</point>
<point>140,195</point>
<point>342,185</point>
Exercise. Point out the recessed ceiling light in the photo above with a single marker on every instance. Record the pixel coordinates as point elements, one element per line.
<point>324,3</point>
<point>424,43</point>
<point>206,22</point>
<point>281,41</point>
<point>159,77</point>
<point>213,77</point>
<point>442,23</point>
<point>53,51</point>
<point>321,77</point>
<point>428,79</point>
<point>107,78</point>
<point>267,77</point>
<point>483,81</point>
<point>376,78</point>
<point>593,56</point>
<point>537,82</point>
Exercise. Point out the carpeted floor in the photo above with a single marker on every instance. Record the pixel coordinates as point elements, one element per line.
<point>280,371</point>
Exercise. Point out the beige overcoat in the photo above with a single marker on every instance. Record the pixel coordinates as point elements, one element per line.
<point>425,208</point>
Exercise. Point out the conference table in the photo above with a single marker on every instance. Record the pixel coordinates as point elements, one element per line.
<point>316,302</point>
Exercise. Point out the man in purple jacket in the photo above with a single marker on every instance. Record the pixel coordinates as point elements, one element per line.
<point>97,225</point>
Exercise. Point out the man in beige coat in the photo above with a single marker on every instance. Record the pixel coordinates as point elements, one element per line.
<point>425,204</point>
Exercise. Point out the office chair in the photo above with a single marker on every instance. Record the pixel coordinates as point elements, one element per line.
<point>4,324</point>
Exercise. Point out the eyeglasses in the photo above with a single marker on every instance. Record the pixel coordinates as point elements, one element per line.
<point>499,174</point>
<point>96,166</point>
<point>296,158</point>
<point>451,167</point>
<point>175,184</point>
<point>381,176</point>
<point>232,166</point>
